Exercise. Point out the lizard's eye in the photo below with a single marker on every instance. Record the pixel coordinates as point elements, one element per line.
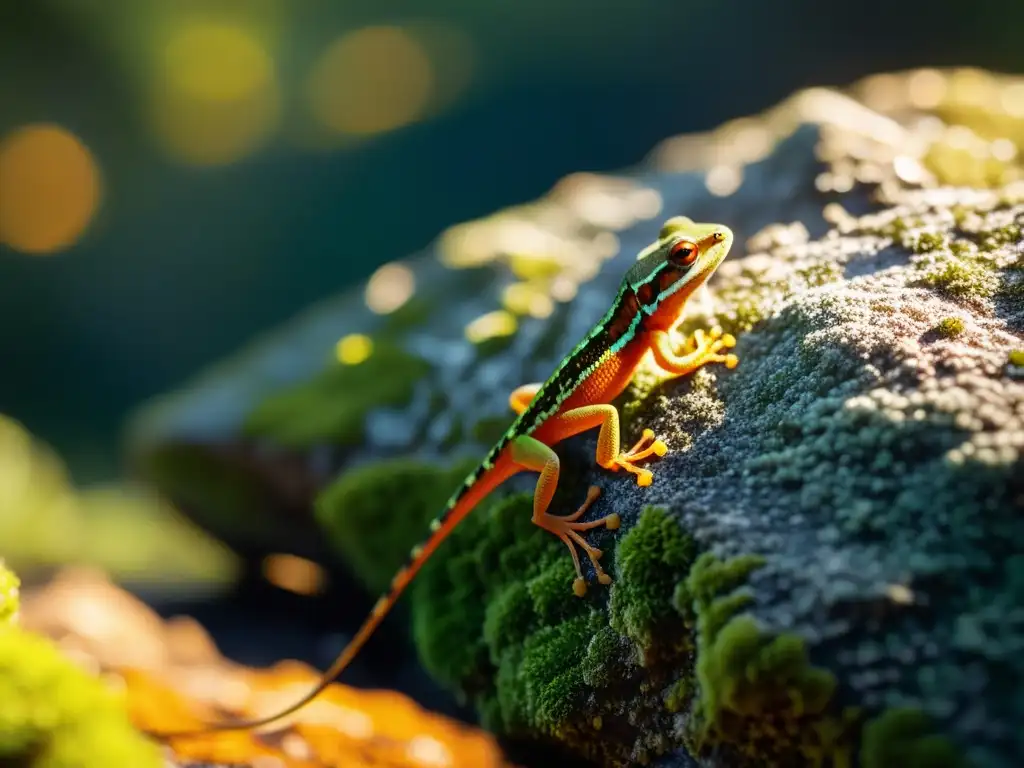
<point>683,253</point>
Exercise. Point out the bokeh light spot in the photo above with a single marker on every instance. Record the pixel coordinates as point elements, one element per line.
<point>218,97</point>
<point>389,288</point>
<point>295,574</point>
<point>372,80</point>
<point>491,325</point>
<point>354,349</point>
<point>49,189</point>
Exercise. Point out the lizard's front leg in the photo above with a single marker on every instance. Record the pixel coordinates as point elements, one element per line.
<point>700,349</point>
<point>532,454</point>
<point>609,449</point>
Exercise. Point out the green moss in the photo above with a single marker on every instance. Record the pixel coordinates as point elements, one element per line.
<point>958,276</point>
<point>9,590</point>
<point>905,737</point>
<point>929,241</point>
<point>1016,357</point>
<point>54,715</point>
<point>758,693</point>
<point>495,619</point>
<point>650,559</point>
<point>950,327</point>
<point>820,274</point>
<point>374,515</point>
<point>744,672</point>
<point>331,408</point>
<point>679,695</point>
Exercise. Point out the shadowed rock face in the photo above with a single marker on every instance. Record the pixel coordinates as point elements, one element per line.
<point>843,574</point>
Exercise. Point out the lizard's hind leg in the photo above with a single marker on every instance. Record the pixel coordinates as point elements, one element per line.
<point>536,456</point>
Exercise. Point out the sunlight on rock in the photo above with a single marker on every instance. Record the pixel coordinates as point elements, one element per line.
<point>49,189</point>
<point>217,97</point>
<point>353,349</point>
<point>389,288</point>
<point>295,574</point>
<point>370,81</point>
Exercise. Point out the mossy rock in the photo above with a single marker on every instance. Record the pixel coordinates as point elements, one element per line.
<point>865,455</point>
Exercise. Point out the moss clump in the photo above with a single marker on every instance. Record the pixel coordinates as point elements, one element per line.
<point>496,604</point>
<point>331,408</point>
<point>958,276</point>
<point>54,715</point>
<point>927,242</point>
<point>494,618</point>
<point>905,737</point>
<point>650,559</point>
<point>950,327</point>
<point>9,589</point>
<point>1016,357</point>
<point>758,693</point>
<point>375,514</point>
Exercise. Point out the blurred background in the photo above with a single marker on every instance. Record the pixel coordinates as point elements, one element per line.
<point>178,176</point>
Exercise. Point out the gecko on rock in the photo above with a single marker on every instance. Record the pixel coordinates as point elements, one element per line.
<point>576,397</point>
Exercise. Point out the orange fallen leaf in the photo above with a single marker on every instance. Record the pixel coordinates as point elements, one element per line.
<point>182,682</point>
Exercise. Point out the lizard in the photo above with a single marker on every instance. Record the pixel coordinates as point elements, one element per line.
<point>576,397</point>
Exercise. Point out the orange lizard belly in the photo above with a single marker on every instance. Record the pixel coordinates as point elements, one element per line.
<point>609,379</point>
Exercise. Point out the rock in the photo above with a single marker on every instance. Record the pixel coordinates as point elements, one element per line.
<point>827,567</point>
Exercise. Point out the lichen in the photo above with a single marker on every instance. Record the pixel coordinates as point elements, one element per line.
<point>906,737</point>
<point>331,408</point>
<point>54,715</point>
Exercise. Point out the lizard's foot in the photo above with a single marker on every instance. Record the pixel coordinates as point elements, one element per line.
<point>648,445</point>
<point>568,529</point>
<point>707,346</point>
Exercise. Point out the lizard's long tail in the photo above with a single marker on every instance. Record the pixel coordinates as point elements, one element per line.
<point>475,488</point>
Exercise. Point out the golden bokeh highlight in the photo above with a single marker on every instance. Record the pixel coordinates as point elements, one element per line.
<point>528,298</point>
<point>372,80</point>
<point>492,325</point>
<point>295,574</point>
<point>49,189</point>
<point>389,288</point>
<point>218,98</point>
<point>353,349</point>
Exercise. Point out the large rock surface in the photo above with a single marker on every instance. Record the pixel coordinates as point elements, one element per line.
<point>829,566</point>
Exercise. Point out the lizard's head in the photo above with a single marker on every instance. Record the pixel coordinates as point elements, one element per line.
<point>681,260</point>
